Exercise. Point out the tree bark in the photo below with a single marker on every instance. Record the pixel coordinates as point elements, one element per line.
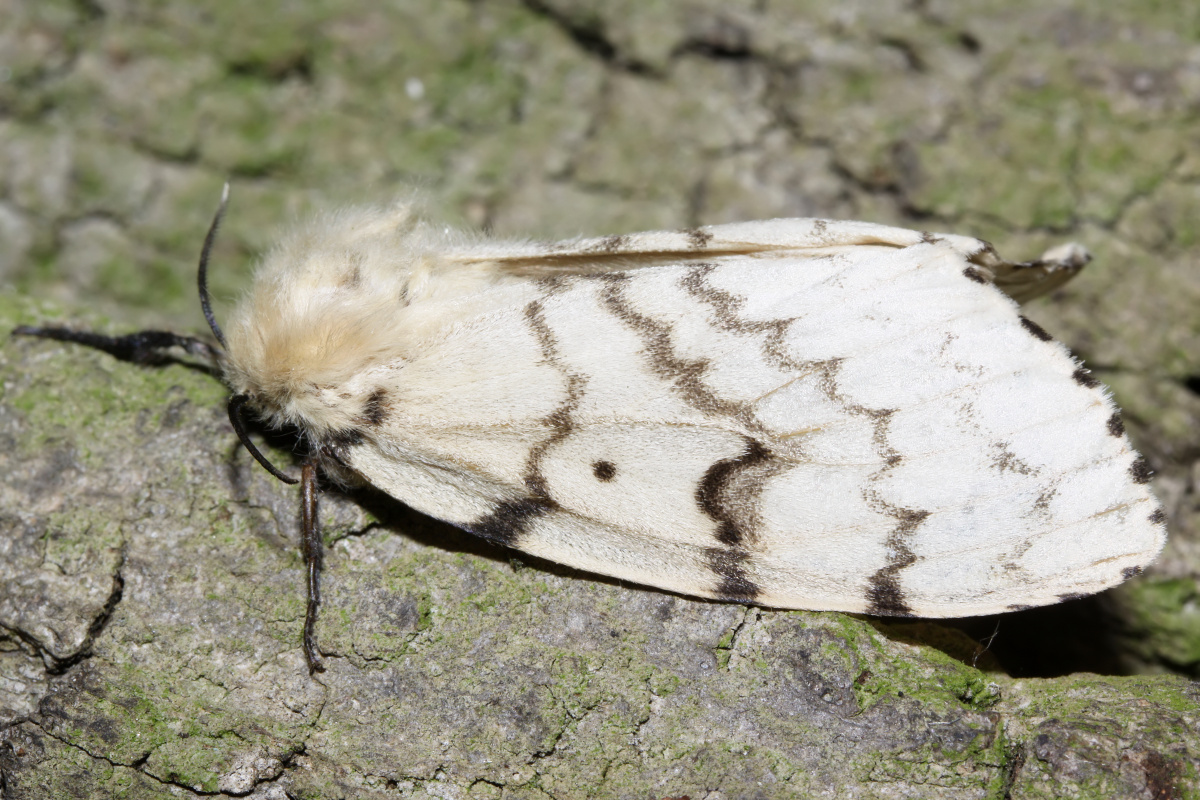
<point>151,585</point>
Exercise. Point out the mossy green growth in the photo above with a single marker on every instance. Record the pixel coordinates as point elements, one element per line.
<point>197,760</point>
<point>935,678</point>
<point>663,683</point>
<point>73,539</point>
<point>1003,756</point>
<point>1118,162</point>
<point>94,400</point>
<point>1166,614</point>
<point>174,722</point>
<point>725,648</point>
<point>574,683</point>
<point>70,397</point>
<point>1084,699</point>
<point>252,136</point>
<point>122,721</point>
<point>1013,166</point>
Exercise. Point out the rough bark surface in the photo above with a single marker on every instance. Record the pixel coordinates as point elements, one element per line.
<point>151,587</point>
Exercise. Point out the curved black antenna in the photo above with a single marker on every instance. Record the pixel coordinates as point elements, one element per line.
<point>239,427</point>
<point>202,281</point>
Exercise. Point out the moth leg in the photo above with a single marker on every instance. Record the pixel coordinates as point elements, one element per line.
<point>310,544</point>
<point>142,347</point>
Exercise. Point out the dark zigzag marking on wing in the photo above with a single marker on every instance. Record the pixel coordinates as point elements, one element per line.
<point>684,375</point>
<point>730,490</point>
<point>728,564</point>
<point>726,306</point>
<point>559,421</point>
<point>729,495</point>
<point>510,520</point>
<point>884,593</point>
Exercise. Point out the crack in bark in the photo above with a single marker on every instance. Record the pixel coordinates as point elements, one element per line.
<point>56,665</point>
<point>286,759</point>
<point>590,38</point>
<point>724,653</point>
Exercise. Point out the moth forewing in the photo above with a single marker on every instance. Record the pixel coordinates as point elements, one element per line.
<point>795,413</point>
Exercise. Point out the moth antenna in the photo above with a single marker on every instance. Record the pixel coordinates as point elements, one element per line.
<point>236,403</point>
<point>202,282</point>
<point>143,347</point>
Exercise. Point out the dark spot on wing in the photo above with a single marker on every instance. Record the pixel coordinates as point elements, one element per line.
<point>930,238</point>
<point>1159,516</point>
<point>1130,572</point>
<point>1065,598</point>
<point>735,585</point>
<point>1140,470</point>
<point>1035,329</point>
<point>1083,378</point>
<point>976,275</point>
<point>376,409</point>
<point>714,493</point>
<point>697,238</point>
<point>1007,461</point>
<point>1018,607</point>
<point>1115,426</point>
<point>604,470</point>
<point>508,521</point>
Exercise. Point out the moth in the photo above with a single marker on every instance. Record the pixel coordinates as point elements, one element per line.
<point>793,413</point>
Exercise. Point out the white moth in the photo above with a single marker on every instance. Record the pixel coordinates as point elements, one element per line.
<point>794,413</point>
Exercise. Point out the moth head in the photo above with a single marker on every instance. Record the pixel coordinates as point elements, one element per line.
<point>327,313</point>
<point>238,402</point>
